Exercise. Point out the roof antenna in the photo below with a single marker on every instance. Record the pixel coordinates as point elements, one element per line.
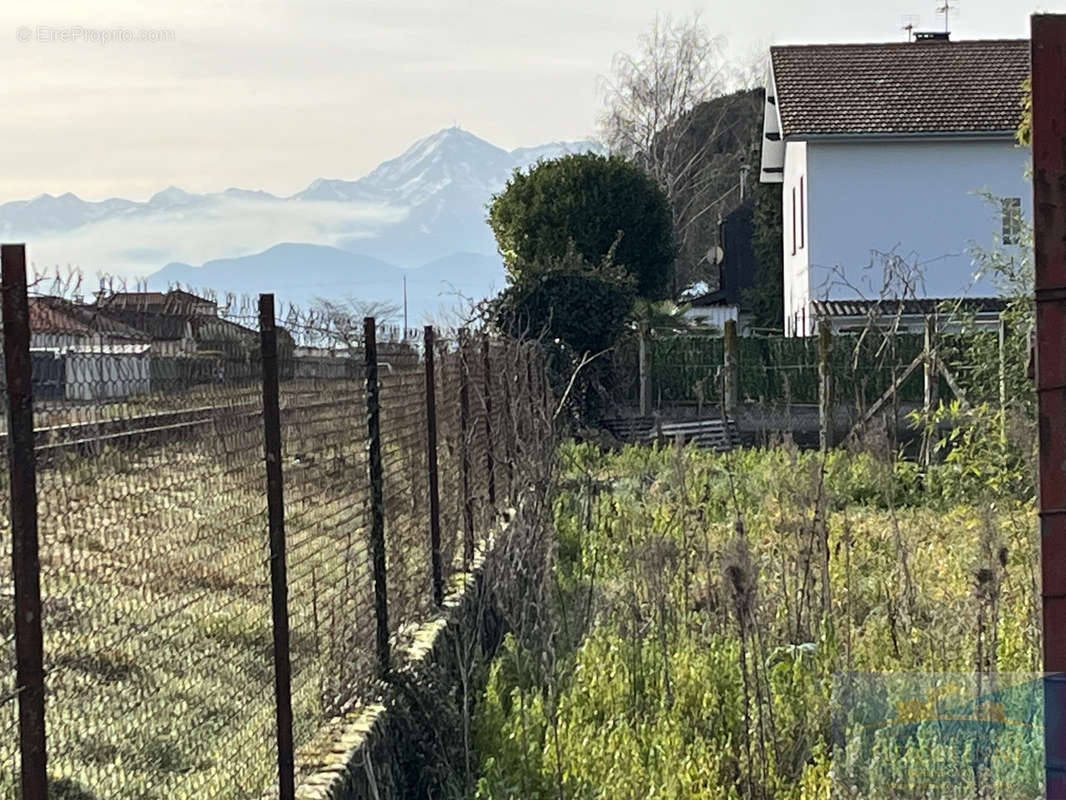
<point>947,9</point>
<point>908,22</point>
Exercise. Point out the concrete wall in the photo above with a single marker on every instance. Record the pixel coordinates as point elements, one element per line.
<point>919,200</point>
<point>410,744</point>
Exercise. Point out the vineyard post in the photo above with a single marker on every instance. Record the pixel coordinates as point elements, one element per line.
<point>931,387</point>
<point>825,386</point>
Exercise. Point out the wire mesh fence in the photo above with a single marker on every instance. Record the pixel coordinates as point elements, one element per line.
<point>155,565</point>
<point>687,369</point>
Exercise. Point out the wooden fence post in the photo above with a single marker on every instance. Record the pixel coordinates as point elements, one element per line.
<point>825,385</point>
<point>931,388</point>
<point>642,355</point>
<point>729,367</point>
<point>279,587</point>
<point>26,567</point>
<point>376,476</point>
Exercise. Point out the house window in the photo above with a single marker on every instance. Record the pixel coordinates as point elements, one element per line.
<point>793,220</point>
<point>1012,220</point>
<point>803,235</point>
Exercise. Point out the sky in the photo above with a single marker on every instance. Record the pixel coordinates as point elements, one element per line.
<point>123,97</point>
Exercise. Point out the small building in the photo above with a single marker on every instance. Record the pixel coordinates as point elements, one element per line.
<point>894,161</point>
<point>180,323</point>
<point>58,323</point>
<point>174,302</point>
<point>107,371</point>
<point>737,273</point>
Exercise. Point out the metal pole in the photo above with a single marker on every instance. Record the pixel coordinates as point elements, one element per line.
<point>26,568</point>
<point>268,344</point>
<point>1049,204</point>
<point>436,570</point>
<point>490,460</point>
<point>377,492</point>
<point>464,442</point>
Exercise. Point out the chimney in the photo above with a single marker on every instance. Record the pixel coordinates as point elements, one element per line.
<point>932,36</point>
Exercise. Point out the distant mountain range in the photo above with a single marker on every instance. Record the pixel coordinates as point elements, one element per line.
<point>421,214</point>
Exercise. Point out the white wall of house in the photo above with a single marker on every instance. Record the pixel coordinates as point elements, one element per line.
<point>711,315</point>
<point>795,241</point>
<point>916,199</point>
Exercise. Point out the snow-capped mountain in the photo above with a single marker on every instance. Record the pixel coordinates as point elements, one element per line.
<point>448,160</point>
<point>422,206</point>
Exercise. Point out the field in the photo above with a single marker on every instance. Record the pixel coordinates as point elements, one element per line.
<point>708,607</point>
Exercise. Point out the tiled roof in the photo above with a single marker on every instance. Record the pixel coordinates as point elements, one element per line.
<point>58,315</point>
<point>916,87</point>
<point>46,317</point>
<point>175,301</point>
<point>162,327</point>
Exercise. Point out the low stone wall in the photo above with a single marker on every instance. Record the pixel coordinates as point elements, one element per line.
<point>411,742</point>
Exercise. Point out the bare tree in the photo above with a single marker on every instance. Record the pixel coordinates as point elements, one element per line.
<point>659,114</point>
<point>342,322</point>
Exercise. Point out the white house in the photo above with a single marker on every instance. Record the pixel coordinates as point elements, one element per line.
<point>894,161</point>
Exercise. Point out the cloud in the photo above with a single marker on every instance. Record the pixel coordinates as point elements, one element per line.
<point>132,247</point>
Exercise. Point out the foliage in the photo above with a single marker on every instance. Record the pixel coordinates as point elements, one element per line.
<point>661,315</point>
<point>767,298</point>
<point>1025,127</point>
<point>555,300</point>
<point>594,204</point>
<point>725,591</point>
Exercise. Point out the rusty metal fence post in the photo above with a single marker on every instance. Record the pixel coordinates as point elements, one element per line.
<point>436,570</point>
<point>376,476</point>
<point>490,459</point>
<point>22,470</point>
<point>509,433</point>
<point>464,447</point>
<point>268,343</point>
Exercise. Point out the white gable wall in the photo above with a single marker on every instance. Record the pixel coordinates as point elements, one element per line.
<point>795,239</point>
<point>918,199</point>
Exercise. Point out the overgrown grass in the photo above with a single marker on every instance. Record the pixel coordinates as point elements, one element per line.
<point>719,595</point>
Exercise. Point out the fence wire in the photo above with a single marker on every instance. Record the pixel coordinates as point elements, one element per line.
<point>152,558</point>
<point>687,369</point>
<point>153,529</point>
